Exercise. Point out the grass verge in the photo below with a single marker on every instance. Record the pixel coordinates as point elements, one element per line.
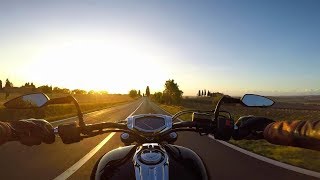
<point>308,159</point>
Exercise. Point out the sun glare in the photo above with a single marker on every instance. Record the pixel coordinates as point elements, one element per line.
<point>114,64</point>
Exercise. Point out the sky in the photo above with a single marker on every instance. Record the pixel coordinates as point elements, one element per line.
<point>235,47</point>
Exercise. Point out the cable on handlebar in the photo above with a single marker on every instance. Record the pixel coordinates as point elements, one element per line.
<point>183,124</point>
<point>103,125</point>
<point>99,132</point>
<point>180,113</point>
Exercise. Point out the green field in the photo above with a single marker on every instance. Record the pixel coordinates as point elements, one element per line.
<point>304,158</point>
<point>87,103</point>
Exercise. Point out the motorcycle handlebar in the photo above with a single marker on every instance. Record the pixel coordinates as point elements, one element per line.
<point>104,125</point>
<point>109,125</point>
<point>183,124</point>
<point>72,133</point>
<point>191,124</point>
<point>122,126</point>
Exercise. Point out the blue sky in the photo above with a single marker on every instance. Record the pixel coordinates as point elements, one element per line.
<point>269,47</point>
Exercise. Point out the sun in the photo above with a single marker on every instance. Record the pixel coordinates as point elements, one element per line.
<point>115,64</point>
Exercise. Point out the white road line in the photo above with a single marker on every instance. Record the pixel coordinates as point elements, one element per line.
<point>83,160</point>
<point>262,158</point>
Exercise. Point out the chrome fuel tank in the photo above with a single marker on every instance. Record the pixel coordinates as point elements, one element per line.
<point>150,161</point>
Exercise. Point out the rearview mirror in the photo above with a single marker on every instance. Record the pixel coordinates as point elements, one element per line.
<point>252,100</point>
<point>35,100</point>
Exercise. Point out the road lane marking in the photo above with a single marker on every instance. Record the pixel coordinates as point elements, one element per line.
<point>83,160</point>
<point>66,174</point>
<point>262,158</point>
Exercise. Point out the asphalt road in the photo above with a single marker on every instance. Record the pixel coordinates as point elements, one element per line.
<point>49,161</point>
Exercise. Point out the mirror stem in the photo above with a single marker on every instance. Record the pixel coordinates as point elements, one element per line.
<point>80,115</point>
<point>224,99</point>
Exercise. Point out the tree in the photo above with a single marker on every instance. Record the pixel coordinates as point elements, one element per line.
<point>208,93</point>
<point>56,90</point>
<point>79,91</point>
<point>28,85</point>
<point>0,84</point>
<point>104,92</point>
<point>158,97</point>
<point>133,93</point>
<point>62,91</point>
<point>148,91</point>
<point>172,94</point>
<point>139,93</point>
<point>8,84</point>
<point>205,92</point>
<point>199,93</point>
<point>45,89</point>
<point>202,93</point>
<point>91,92</point>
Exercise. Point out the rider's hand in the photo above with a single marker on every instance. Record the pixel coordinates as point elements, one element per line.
<point>32,131</point>
<point>251,127</point>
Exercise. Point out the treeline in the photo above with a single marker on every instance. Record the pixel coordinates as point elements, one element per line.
<point>207,93</point>
<point>134,93</point>
<point>170,95</point>
<point>31,87</point>
<point>173,95</point>
<point>8,84</point>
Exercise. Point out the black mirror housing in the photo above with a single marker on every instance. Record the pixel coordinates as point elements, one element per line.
<point>253,100</point>
<point>28,101</point>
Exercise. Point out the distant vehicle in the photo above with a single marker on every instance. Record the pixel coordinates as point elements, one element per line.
<point>149,152</point>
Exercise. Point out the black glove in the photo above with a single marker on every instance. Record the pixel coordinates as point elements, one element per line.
<point>251,127</point>
<point>32,131</point>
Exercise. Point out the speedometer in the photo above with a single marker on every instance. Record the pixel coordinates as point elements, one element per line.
<point>150,123</point>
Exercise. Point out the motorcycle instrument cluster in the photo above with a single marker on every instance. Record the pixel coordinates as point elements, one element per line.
<point>150,123</point>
